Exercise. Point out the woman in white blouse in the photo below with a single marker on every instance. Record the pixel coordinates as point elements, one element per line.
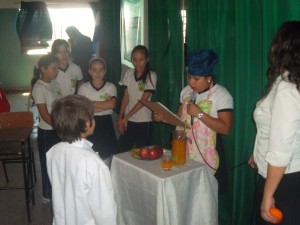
<point>277,117</point>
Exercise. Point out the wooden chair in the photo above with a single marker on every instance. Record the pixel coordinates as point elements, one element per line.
<point>15,120</point>
<point>17,151</point>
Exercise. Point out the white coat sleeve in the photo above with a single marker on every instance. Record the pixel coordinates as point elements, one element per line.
<point>101,197</point>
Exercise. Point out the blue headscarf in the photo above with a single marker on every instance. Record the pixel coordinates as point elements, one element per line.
<point>201,62</point>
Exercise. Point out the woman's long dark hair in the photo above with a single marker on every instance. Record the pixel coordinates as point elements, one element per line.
<point>144,50</point>
<point>284,54</point>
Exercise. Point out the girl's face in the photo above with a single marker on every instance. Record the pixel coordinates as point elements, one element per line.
<point>97,71</point>
<point>199,83</point>
<point>139,61</point>
<point>62,54</point>
<point>50,73</point>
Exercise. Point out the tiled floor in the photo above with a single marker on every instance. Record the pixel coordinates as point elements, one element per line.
<point>12,202</point>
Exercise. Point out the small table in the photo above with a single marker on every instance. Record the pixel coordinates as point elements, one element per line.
<point>18,137</point>
<point>146,194</point>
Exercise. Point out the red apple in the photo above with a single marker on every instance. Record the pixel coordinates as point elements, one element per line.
<point>155,152</point>
<point>144,153</point>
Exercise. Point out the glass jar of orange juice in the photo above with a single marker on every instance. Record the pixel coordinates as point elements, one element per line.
<point>178,147</point>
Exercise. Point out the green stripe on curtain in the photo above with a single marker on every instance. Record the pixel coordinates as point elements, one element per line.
<point>165,49</point>
<point>241,33</point>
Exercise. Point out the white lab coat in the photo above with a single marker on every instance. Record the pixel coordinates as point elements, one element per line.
<point>82,192</point>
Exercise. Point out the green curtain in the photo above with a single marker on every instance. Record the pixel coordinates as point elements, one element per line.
<point>240,32</point>
<point>109,38</point>
<point>165,49</point>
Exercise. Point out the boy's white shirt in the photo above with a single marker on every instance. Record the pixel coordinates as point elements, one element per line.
<point>82,192</point>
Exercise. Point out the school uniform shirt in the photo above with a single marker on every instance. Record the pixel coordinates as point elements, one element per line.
<point>68,77</point>
<point>277,118</point>
<point>136,88</point>
<point>46,93</point>
<point>108,90</point>
<point>82,191</point>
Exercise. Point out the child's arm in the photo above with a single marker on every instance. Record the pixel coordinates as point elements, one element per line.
<point>104,105</point>
<point>124,103</point>
<point>179,111</point>
<point>44,114</point>
<point>221,125</point>
<point>136,107</point>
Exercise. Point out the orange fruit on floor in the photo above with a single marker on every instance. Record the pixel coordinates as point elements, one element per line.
<point>277,214</point>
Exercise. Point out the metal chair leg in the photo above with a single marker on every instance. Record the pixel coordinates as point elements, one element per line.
<point>5,172</point>
<point>33,165</point>
<point>30,181</point>
<point>26,182</point>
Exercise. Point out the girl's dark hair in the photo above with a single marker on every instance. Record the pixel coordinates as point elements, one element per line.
<point>284,54</point>
<point>144,50</point>
<point>44,61</point>
<point>57,43</point>
<point>69,117</point>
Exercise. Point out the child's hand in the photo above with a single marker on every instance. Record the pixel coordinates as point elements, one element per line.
<point>125,122</point>
<point>121,127</point>
<point>193,109</point>
<point>157,117</point>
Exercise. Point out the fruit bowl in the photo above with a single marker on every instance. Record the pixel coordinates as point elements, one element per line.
<point>147,153</point>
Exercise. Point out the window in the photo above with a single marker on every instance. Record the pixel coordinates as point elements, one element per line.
<point>183,16</point>
<point>80,16</point>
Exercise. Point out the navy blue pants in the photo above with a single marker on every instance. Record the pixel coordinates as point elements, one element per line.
<point>46,139</point>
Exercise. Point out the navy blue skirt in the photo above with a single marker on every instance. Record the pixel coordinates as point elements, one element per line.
<point>104,138</point>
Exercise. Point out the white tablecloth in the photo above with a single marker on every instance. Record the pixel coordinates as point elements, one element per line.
<point>147,195</point>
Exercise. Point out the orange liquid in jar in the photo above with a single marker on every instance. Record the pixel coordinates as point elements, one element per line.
<point>179,151</point>
<point>166,164</point>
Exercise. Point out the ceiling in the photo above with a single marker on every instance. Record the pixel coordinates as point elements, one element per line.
<point>17,3</point>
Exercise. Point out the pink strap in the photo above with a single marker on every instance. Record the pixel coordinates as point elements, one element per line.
<point>211,85</point>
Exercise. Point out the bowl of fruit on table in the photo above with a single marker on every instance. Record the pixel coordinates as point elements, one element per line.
<point>147,153</point>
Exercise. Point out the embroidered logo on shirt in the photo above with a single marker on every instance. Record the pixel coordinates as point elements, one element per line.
<point>141,86</point>
<point>104,97</point>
